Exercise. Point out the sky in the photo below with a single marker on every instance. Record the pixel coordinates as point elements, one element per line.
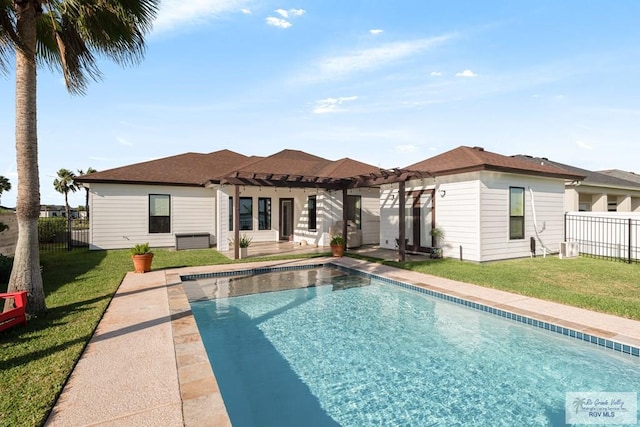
<point>388,83</point>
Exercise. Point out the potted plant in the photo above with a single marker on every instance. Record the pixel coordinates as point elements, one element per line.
<point>337,246</point>
<point>244,244</point>
<point>142,257</point>
<point>438,235</point>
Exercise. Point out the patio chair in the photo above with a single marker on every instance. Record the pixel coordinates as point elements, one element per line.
<point>17,315</point>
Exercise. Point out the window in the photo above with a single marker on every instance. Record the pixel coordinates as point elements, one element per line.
<point>516,213</point>
<point>354,210</point>
<point>230,213</point>
<point>159,213</point>
<point>246,213</point>
<point>313,214</point>
<point>264,213</point>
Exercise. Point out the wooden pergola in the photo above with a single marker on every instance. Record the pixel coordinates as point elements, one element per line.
<point>384,176</point>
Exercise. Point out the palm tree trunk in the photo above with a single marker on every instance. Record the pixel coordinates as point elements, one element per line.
<point>26,275</point>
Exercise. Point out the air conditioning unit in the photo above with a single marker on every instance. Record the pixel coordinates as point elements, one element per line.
<point>568,250</point>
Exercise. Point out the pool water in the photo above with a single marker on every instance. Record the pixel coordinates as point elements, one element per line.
<point>353,351</point>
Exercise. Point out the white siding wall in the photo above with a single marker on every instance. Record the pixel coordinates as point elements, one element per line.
<point>222,229</point>
<point>120,214</point>
<point>370,215</point>
<point>388,215</point>
<point>458,215</point>
<point>473,211</point>
<point>548,198</point>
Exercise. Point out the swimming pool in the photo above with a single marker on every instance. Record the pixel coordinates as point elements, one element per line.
<point>355,351</point>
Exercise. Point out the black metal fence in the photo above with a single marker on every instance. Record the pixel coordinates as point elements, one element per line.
<point>62,234</point>
<point>607,237</point>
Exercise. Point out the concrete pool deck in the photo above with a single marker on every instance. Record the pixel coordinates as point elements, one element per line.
<point>146,364</point>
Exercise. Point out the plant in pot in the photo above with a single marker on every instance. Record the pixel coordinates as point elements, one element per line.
<point>142,257</point>
<point>337,246</point>
<point>244,244</point>
<point>438,235</point>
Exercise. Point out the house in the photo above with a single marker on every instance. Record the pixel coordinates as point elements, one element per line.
<point>607,191</point>
<point>55,211</point>
<point>290,195</point>
<point>489,206</point>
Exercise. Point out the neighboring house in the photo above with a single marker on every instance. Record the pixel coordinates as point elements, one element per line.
<point>53,211</point>
<point>629,176</point>
<point>608,191</point>
<point>290,195</point>
<point>489,206</point>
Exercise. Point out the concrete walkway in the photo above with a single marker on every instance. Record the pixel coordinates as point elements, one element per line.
<point>146,364</point>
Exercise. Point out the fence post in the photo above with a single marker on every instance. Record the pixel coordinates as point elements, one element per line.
<point>629,245</point>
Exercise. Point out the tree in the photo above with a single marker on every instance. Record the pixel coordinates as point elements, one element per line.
<point>63,184</point>
<point>5,185</point>
<point>65,35</point>
<point>86,189</point>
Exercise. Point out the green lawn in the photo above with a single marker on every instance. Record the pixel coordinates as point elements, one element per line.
<point>35,362</point>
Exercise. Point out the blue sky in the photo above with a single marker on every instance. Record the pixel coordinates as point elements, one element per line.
<point>388,83</point>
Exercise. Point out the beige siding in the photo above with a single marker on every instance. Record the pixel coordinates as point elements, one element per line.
<point>120,214</point>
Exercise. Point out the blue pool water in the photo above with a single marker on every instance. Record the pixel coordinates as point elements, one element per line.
<point>340,353</point>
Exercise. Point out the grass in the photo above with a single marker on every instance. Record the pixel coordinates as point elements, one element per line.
<point>594,284</point>
<point>35,362</point>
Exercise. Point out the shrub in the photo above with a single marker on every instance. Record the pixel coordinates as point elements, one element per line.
<point>6,263</point>
<point>49,228</point>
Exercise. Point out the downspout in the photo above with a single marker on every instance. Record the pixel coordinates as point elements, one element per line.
<point>535,225</point>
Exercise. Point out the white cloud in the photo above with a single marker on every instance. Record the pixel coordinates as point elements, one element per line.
<point>332,105</point>
<point>466,73</point>
<point>407,148</point>
<point>277,22</point>
<point>584,145</point>
<point>376,31</point>
<point>124,142</point>
<point>282,13</point>
<point>370,59</point>
<point>175,14</point>
<point>435,73</point>
<point>246,11</point>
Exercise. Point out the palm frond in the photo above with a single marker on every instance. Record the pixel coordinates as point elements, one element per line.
<point>8,37</point>
<point>71,32</point>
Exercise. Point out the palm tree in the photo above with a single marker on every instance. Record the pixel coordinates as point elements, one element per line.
<point>5,185</point>
<point>64,35</point>
<point>86,189</point>
<point>63,184</point>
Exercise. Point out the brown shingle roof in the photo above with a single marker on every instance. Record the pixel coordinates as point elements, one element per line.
<point>288,162</point>
<point>469,159</point>
<point>196,169</point>
<point>347,168</point>
<point>183,169</point>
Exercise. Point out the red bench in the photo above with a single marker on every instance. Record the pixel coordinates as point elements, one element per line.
<point>17,315</point>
